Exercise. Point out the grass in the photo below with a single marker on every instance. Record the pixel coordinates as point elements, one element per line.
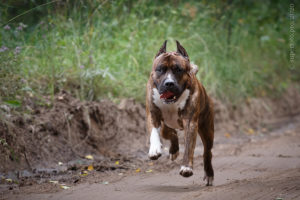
<point>100,49</point>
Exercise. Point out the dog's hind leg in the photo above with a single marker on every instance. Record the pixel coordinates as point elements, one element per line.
<point>170,134</point>
<point>206,132</point>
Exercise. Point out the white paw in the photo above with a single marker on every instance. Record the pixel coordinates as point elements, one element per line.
<point>155,145</point>
<point>186,171</point>
<point>209,180</point>
<point>155,151</point>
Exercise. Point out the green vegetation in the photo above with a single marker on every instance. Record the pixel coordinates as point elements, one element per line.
<point>99,49</point>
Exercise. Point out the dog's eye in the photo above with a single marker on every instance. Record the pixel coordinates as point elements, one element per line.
<point>160,69</point>
<point>178,69</point>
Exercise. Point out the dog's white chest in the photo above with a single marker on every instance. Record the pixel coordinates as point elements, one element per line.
<point>170,111</point>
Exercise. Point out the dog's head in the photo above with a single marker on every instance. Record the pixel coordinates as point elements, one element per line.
<point>171,72</point>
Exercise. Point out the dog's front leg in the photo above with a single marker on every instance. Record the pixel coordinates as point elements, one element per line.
<point>154,127</point>
<point>155,144</point>
<point>190,136</point>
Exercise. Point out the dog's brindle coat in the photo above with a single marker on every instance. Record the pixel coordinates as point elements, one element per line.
<point>176,100</point>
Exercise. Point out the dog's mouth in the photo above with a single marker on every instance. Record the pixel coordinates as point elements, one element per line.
<point>168,97</point>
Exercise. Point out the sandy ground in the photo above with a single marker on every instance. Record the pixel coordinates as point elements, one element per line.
<point>256,166</point>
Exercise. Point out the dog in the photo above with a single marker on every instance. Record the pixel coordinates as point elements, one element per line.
<point>176,100</point>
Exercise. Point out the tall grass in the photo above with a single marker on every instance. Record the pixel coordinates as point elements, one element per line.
<point>99,49</point>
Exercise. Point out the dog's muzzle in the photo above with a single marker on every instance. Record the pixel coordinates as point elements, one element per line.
<point>170,91</point>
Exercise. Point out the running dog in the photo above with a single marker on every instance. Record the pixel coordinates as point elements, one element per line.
<point>176,100</point>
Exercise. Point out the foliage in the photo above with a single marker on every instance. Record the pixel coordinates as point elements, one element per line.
<point>99,49</point>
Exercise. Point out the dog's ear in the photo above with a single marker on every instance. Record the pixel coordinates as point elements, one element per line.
<point>181,50</point>
<point>163,49</point>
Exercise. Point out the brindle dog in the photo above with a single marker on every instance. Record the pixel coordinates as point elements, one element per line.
<point>176,100</point>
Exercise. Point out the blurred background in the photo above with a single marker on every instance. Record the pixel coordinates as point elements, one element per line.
<point>104,48</point>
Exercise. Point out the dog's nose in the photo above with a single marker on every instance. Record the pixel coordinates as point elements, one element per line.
<point>169,84</point>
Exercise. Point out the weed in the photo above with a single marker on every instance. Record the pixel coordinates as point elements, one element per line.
<point>99,49</point>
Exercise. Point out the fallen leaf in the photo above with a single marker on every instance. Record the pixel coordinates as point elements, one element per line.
<point>250,131</point>
<point>138,170</point>
<point>54,182</point>
<point>90,157</point>
<point>227,135</point>
<point>60,163</point>
<point>65,187</point>
<point>90,168</point>
<point>120,174</point>
<point>84,173</point>
<point>149,171</point>
<point>117,162</point>
<point>60,97</point>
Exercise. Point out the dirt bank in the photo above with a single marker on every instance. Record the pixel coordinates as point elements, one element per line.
<point>70,130</point>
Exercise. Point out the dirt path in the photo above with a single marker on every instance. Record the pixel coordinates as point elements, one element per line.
<point>253,167</point>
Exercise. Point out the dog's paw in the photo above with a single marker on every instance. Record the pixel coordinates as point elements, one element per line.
<point>173,156</point>
<point>209,180</point>
<point>154,152</point>
<point>186,171</point>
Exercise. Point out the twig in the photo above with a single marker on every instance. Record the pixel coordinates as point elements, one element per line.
<point>24,13</point>
<point>26,159</point>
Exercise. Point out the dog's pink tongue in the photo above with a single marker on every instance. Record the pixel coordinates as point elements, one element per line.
<point>166,95</point>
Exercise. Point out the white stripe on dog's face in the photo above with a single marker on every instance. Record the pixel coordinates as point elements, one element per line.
<point>155,145</point>
<point>170,78</point>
